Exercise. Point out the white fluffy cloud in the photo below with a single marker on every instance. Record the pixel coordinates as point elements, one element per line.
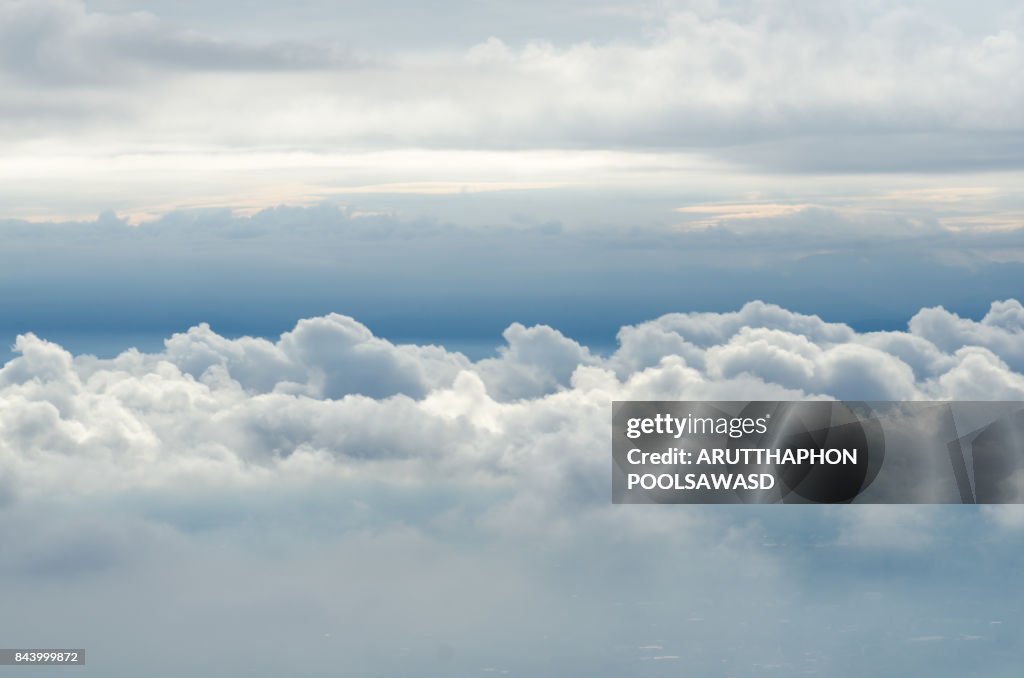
<point>329,398</point>
<point>326,357</point>
<point>1000,331</point>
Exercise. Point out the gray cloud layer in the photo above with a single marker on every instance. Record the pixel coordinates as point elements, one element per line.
<point>61,43</point>
<point>891,86</point>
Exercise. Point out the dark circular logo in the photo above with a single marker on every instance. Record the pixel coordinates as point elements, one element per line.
<point>850,450</point>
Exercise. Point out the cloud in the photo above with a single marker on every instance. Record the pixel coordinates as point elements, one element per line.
<point>274,504</point>
<point>689,105</point>
<point>326,357</point>
<point>62,43</point>
<point>328,397</point>
<point>263,490</point>
<point>1001,330</point>
<point>892,87</point>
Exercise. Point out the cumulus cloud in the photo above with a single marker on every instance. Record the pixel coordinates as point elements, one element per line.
<point>265,489</point>
<point>326,357</point>
<point>330,397</point>
<point>999,331</point>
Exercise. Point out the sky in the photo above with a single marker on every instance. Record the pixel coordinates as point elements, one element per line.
<point>313,313</point>
<point>580,165</point>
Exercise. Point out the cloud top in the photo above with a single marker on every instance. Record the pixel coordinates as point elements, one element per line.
<point>328,397</point>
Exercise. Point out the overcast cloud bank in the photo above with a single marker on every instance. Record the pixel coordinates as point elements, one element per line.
<point>719,97</point>
<point>702,74</point>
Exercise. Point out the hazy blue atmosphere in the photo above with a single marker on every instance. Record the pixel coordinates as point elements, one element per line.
<point>312,315</point>
<point>109,284</point>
